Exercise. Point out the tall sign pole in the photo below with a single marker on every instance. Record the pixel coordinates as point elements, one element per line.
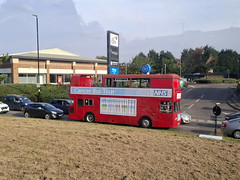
<point>38,75</point>
<point>112,52</point>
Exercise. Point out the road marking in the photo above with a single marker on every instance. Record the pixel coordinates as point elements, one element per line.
<point>189,90</point>
<point>196,101</point>
<point>206,121</point>
<point>190,106</point>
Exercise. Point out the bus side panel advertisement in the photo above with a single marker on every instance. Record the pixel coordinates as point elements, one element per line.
<point>118,106</point>
<point>164,93</point>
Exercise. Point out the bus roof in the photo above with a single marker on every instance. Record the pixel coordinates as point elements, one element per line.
<point>167,76</point>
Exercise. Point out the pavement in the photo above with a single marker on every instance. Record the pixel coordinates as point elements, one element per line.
<point>233,98</point>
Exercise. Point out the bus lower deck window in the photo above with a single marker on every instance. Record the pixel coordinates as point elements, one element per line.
<point>88,102</point>
<point>166,107</point>
<point>80,103</point>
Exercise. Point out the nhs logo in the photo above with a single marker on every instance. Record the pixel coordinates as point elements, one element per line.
<point>162,93</point>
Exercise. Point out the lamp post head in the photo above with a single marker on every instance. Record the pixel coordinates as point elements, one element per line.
<point>35,15</point>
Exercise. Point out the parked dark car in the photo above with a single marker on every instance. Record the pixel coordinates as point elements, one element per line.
<point>16,102</point>
<point>42,110</point>
<point>231,128</point>
<point>62,104</point>
<point>232,116</point>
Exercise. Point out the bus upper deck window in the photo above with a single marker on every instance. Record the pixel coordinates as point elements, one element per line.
<point>140,83</point>
<point>108,82</point>
<point>121,82</point>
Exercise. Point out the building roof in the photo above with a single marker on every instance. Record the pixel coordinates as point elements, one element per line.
<point>56,55</point>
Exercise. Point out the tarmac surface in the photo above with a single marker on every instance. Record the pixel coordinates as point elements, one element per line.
<point>233,99</point>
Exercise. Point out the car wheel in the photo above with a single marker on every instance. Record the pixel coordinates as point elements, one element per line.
<point>47,116</point>
<point>89,117</point>
<point>145,123</point>
<point>236,134</point>
<point>27,115</point>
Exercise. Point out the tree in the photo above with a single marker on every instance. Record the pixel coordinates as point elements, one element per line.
<point>101,57</point>
<point>3,77</point>
<point>137,62</point>
<point>228,60</point>
<point>3,59</point>
<point>166,58</point>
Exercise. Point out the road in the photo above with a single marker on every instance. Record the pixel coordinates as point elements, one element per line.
<point>198,101</point>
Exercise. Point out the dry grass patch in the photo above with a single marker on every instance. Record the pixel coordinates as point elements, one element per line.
<point>49,149</point>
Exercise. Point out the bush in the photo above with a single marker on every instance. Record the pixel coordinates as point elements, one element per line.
<point>47,92</point>
<point>216,81</point>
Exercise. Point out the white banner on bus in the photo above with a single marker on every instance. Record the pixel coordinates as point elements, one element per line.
<point>118,106</point>
<point>143,92</point>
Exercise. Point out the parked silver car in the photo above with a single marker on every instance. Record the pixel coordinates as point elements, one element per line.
<point>185,118</point>
<point>3,107</point>
<point>231,128</point>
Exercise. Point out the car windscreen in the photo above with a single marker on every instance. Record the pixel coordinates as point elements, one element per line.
<point>70,101</point>
<point>24,99</point>
<point>48,106</point>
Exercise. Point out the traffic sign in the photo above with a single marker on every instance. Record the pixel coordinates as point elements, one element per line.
<point>217,110</point>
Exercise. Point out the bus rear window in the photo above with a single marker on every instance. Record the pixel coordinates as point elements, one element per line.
<point>176,106</point>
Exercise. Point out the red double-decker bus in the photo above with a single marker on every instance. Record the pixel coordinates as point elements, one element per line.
<point>141,100</point>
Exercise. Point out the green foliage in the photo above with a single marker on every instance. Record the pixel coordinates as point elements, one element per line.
<point>157,62</point>
<point>208,81</point>
<point>4,58</point>
<point>3,77</point>
<point>101,57</point>
<point>238,88</point>
<point>47,92</point>
<point>137,62</point>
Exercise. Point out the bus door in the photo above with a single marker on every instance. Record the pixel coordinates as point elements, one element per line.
<point>79,108</point>
<point>165,114</point>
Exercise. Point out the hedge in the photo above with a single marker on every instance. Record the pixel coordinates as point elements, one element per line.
<point>47,92</point>
<point>206,81</point>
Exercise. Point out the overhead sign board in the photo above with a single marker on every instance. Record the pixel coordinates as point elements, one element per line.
<point>112,52</point>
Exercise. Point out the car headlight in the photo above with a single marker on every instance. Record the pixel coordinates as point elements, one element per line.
<point>53,112</point>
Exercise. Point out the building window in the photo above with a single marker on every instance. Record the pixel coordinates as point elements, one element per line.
<point>66,78</point>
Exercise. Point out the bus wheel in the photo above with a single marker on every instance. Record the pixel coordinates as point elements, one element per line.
<point>145,122</point>
<point>89,117</point>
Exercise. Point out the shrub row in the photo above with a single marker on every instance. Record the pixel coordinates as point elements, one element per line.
<point>47,92</point>
<point>216,81</point>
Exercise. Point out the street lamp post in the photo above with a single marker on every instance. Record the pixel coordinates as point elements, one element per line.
<point>38,75</point>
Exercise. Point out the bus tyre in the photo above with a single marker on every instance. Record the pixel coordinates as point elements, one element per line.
<point>145,123</point>
<point>89,117</point>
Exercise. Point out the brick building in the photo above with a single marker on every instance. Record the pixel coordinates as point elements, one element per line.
<point>55,66</point>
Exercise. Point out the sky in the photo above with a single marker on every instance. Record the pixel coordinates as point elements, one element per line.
<point>80,26</point>
<point>150,18</point>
